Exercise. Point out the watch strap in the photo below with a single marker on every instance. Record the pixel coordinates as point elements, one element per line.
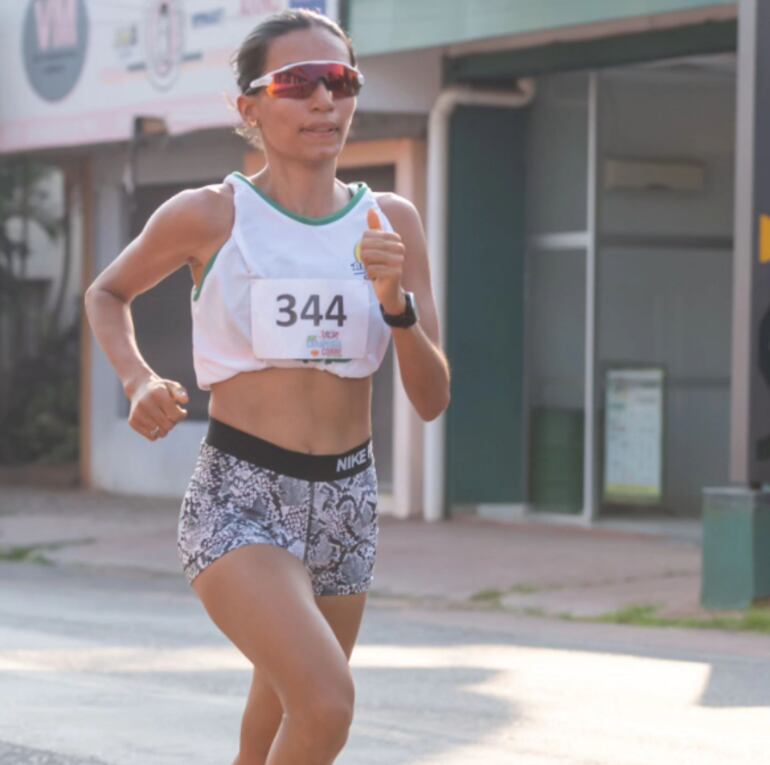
<point>405,319</point>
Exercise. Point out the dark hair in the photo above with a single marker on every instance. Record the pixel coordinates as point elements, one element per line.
<point>249,60</point>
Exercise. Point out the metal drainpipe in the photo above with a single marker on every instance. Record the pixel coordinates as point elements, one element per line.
<point>438,144</point>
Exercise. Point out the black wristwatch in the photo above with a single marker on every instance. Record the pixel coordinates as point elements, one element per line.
<point>405,319</point>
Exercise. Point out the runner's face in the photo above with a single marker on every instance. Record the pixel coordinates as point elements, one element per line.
<point>297,127</point>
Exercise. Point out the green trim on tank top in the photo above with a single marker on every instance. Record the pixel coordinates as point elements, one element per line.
<point>197,290</point>
<point>302,218</point>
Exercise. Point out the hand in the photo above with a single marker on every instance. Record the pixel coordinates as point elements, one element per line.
<point>155,407</point>
<point>382,253</point>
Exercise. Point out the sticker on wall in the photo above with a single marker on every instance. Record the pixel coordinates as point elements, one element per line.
<point>261,7</point>
<point>764,238</point>
<point>164,42</point>
<point>314,5</point>
<point>54,43</point>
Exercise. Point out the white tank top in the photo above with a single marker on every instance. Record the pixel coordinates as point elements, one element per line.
<point>288,291</point>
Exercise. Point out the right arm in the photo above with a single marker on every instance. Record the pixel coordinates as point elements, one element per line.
<point>185,230</point>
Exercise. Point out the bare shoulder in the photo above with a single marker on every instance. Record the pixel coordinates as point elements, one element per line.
<point>400,211</point>
<point>202,217</point>
<point>185,230</point>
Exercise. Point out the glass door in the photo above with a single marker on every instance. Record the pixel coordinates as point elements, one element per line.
<point>555,288</point>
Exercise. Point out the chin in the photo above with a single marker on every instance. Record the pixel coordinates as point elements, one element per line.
<point>322,153</point>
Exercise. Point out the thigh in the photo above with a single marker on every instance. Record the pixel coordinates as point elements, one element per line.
<point>343,614</point>
<point>261,597</point>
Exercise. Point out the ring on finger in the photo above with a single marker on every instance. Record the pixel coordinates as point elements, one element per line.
<point>154,432</point>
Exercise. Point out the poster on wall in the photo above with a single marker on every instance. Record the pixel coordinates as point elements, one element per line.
<point>79,71</point>
<point>633,435</point>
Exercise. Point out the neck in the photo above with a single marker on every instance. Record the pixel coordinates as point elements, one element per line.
<point>309,191</point>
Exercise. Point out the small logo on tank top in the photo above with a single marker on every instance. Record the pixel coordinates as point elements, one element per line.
<point>357,266</point>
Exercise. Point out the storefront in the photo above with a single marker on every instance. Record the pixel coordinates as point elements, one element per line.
<point>586,255</point>
<point>138,97</point>
<point>575,165</point>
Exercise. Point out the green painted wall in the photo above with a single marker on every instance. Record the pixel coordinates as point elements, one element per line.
<point>485,336</point>
<point>383,26</point>
<point>498,69</point>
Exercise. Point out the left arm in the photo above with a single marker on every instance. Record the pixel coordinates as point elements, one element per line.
<point>398,262</point>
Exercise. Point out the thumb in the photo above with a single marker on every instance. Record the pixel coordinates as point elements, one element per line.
<point>177,390</point>
<point>372,219</point>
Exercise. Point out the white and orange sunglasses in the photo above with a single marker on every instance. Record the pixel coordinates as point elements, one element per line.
<point>299,80</point>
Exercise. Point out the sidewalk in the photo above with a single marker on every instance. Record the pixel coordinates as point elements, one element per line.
<point>551,569</point>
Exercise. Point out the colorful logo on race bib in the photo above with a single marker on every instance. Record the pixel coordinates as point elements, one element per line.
<point>325,344</point>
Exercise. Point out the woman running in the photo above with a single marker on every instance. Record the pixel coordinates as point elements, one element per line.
<point>300,281</point>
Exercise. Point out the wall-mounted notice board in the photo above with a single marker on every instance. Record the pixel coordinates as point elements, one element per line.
<point>633,435</point>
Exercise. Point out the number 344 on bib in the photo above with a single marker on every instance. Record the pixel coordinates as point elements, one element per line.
<point>309,318</point>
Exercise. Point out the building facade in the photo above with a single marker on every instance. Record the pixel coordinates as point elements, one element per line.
<point>575,165</point>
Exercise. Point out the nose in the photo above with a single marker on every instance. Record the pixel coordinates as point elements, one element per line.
<point>322,93</point>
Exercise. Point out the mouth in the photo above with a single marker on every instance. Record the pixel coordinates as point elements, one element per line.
<point>329,130</point>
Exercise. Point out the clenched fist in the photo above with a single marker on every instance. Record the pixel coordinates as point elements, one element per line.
<point>382,253</point>
<point>155,407</point>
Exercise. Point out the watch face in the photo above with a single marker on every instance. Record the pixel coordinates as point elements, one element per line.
<point>411,305</point>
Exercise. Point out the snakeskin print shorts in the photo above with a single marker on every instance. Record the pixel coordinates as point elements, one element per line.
<point>320,508</point>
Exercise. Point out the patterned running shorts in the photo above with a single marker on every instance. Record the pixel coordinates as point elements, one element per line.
<point>321,508</point>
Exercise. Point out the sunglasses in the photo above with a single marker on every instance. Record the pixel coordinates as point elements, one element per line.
<point>301,79</point>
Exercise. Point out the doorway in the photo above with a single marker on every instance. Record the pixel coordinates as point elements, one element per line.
<point>41,266</point>
<point>629,283</point>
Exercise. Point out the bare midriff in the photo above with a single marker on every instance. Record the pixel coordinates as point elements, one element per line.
<point>306,410</point>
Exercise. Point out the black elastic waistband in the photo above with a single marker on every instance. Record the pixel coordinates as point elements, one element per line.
<point>310,467</point>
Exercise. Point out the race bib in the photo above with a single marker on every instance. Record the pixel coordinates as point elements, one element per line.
<point>309,318</point>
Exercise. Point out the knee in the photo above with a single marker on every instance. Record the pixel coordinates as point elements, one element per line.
<point>325,716</point>
<point>329,712</point>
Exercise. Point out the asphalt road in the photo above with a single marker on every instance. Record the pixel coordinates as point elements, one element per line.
<point>99,666</point>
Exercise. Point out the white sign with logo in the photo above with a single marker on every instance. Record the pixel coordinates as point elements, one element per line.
<point>79,71</point>
<point>633,464</point>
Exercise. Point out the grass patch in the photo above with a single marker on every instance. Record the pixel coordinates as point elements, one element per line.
<point>28,553</point>
<point>33,554</point>
<point>753,619</point>
<point>486,596</point>
<point>494,595</point>
<point>526,589</point>
<point>643,614</point>
<point>533,611</point>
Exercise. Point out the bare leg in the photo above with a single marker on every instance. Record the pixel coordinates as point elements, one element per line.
<point>260,596</point>
<point>264,712</point>
<point>261,720</point>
